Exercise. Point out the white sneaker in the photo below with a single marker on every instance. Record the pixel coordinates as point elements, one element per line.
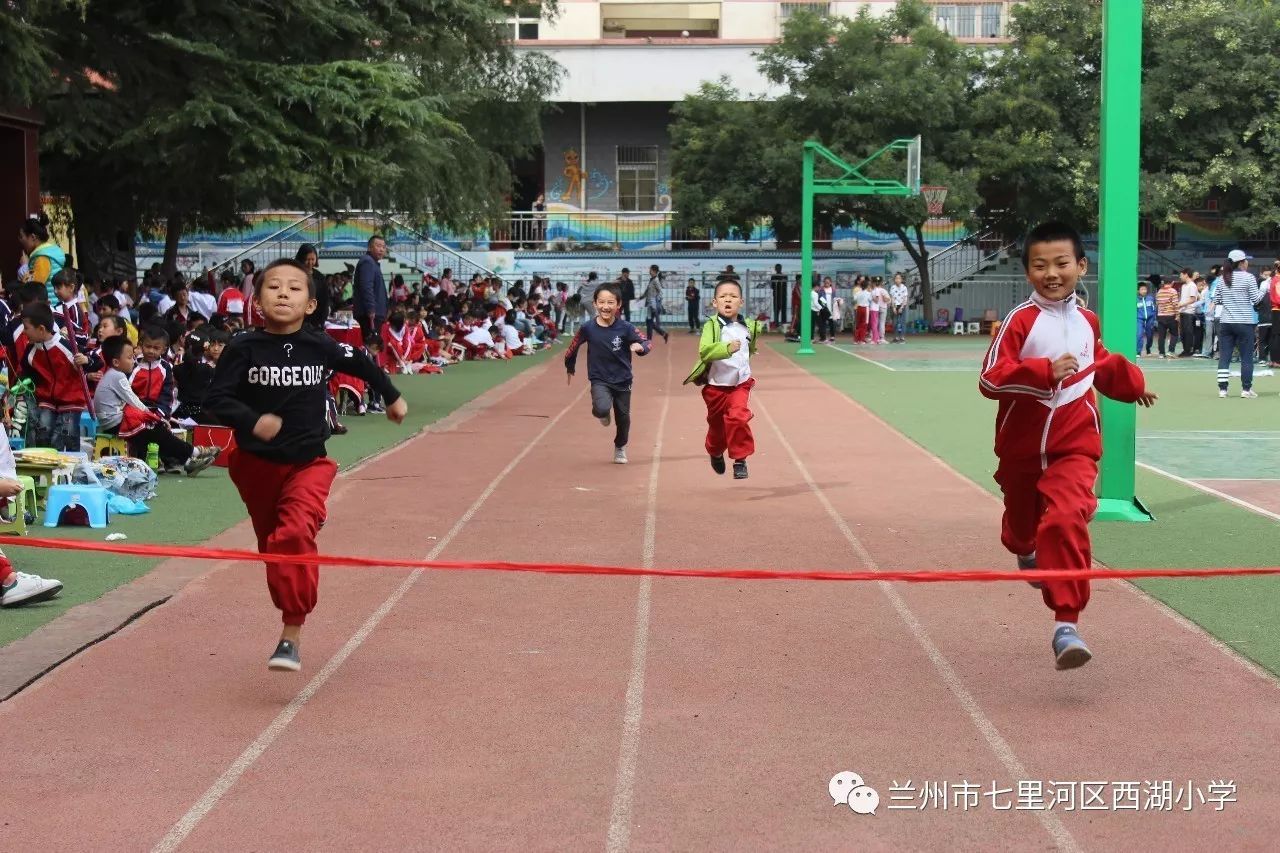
<point>29,589</point>
<point>1249,395</point>
<point>1223,394</point>
<point>620,455</point>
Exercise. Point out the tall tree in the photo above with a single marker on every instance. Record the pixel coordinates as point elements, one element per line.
<point>176,112</point>
<point>853,84</point>
<point>1210,118</point>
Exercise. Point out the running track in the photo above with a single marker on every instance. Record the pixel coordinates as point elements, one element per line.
<point>521,712</point>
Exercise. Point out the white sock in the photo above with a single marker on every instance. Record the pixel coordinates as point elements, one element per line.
<point>1057,625</point>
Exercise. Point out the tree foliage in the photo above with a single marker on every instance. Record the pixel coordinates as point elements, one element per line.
<point>853,84</point>
<point>1210,126</point>
<point>198,109</point>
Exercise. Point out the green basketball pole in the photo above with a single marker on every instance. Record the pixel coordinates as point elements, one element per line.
<point>1118,245</point>
<point>806,258</point>
<point>851,181</point>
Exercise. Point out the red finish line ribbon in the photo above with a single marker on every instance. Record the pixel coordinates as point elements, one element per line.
<point>978,576</point>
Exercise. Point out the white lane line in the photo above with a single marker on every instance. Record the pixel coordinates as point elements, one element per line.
<point>620,819</point>
<point>1057,831</point>
<point>1211,491</point>
<point>189,821</point>
<point>839,348</point>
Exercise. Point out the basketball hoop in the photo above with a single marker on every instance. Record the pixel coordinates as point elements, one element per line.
<point>934,197</point>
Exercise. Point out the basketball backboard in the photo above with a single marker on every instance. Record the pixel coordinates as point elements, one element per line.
<point>913,166</point>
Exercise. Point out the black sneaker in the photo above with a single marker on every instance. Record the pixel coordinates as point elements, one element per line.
<point>717,464</point>
<point>740,469</point>
<point>286,658</point>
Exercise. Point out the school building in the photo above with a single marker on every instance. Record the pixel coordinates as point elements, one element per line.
<point>627,62</point>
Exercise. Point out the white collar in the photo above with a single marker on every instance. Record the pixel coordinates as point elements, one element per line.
<point>1062,307</point>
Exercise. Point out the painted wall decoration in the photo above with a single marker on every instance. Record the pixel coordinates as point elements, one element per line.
<point>573,173</point>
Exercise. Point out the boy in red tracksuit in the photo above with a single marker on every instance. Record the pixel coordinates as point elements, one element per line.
<point>1042,367</point>
<point>152,377</point>
<point>269,385</point>
<point>52,363</point>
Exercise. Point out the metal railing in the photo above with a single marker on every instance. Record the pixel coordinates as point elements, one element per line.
<point>610,231</point>
<point>427,255</point>
<point>308,228</point>
<point>347,235</point>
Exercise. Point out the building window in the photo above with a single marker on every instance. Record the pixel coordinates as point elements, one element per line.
<point>522,28</point>
<point>522,19</point>
<point>822,10</point>
<point>970,20</point>
<point>637,177</point>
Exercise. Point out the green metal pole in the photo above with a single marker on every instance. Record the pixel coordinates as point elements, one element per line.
<point>806,257</point>
<point>1118,244</point>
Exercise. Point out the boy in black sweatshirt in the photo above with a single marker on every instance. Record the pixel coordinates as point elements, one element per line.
<point>269,386</point>
<point>611,341</point>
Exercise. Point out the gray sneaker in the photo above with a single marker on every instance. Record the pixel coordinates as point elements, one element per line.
<point>286,658</point>
<point>620,455</point>
<point>1029,563</point>
<point>1069,650</point>
<point>201,458</point>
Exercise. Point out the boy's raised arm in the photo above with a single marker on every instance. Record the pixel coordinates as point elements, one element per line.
<point>571,354</point>
<point>1006,375</point>
<point>222,401</point>
<point>345,358</point>
<point>635,336</point>
<point>1114,375</point>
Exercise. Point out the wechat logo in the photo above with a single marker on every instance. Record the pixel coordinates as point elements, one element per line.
<point>847,789</point>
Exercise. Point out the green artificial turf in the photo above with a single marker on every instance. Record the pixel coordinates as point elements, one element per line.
<point>942,411</point>
<point>188,511</point>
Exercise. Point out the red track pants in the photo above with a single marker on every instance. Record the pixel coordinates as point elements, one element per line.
<point>729,420</point>
<point>287,505</point>
<point>860,330</point>
<point>1048,512</point>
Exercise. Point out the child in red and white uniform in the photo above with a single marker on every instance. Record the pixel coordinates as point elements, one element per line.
<point>53,365</point>
<point>509,342</point>
<point>403,346</point>
<point>67,289</point>
<point>1043,367</point>
<point>152,378</point>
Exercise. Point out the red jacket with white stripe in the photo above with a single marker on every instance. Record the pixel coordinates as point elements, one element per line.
<point>153,382</point>
<point>59,383</point>
<point>1038,419</point>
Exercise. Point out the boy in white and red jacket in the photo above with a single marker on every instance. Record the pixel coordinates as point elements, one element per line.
<point>1042,367</point>
<point>52,363</point>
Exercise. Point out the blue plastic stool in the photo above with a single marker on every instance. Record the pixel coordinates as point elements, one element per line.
<point>88,427</point>
<point>17,443</point>
<point>92,498</point>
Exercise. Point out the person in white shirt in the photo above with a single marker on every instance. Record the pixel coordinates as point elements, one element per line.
<point>816,325</point>
<point>829,302</point>
<point>879,310</point>
<point>862,311</point>
<point>1188,303</point>
<point>898,296</point>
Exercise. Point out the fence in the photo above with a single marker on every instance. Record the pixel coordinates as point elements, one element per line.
<point>656,230</point>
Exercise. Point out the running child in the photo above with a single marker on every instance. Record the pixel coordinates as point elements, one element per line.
<point>610,342</point>
<point>724,372</point>
<point>1042,367</point>
<point>269,385</point>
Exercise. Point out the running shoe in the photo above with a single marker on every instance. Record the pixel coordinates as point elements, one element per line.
<point>1069,650</point>
<point>28,589</point>
<point>717,464</point>
<point>740,469</point>
<point>286,657</point>
<point>1029,562</point>
<point>620,455</point>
